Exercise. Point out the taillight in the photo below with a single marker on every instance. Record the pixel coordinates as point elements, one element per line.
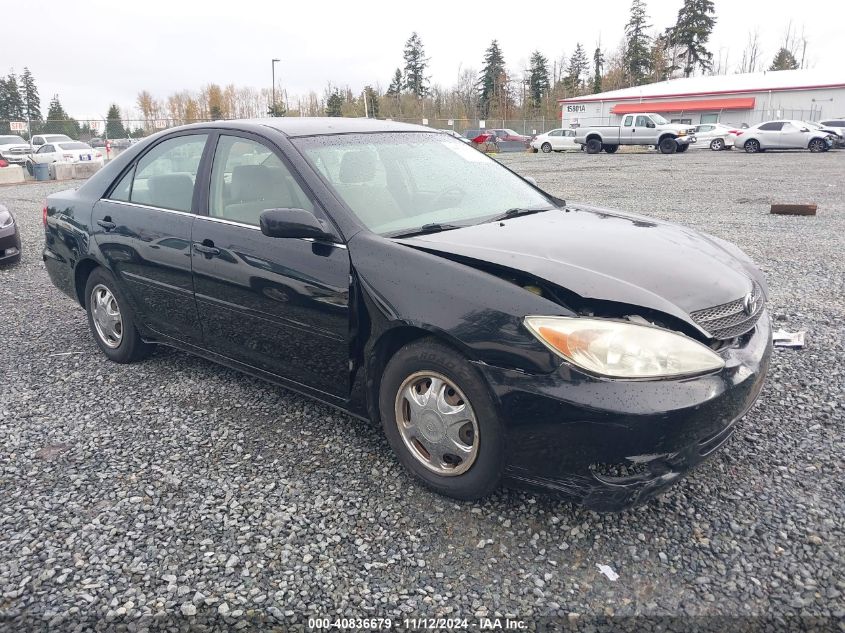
<point>3,163</point>
<point>737,132</point>
<point>44,215</point>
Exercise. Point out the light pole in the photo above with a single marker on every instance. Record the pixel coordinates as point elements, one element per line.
<point>273,71</point>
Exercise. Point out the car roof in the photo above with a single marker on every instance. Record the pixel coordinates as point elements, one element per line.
<point>315,126</point>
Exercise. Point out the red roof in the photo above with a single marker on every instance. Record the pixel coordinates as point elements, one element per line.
<point>699,105</point>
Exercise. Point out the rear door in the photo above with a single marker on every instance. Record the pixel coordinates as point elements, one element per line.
<point>279,305</point>
<point>769,134</point>
<point>144,232</point>
<point>626,132</point>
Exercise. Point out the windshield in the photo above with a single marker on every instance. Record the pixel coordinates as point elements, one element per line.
<point>397,182</point>
<point>658,119</point>
<point>74,146</point>
<point>11,140</point>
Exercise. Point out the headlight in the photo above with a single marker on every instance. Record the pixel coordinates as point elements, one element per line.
<point>623,350</point>
<point>5,218</point>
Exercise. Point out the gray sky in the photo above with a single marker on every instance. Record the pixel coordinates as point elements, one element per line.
<point>184,44</point>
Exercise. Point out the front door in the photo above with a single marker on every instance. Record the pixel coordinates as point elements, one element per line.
<point>144,232</point>
<point>792,137</point>
<point>642,133</point>
<point>279,305</point>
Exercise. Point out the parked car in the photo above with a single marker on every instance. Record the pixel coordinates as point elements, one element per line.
<point>835,134</point>
<point>495,332</point>
<point>460,137</point>
<point>715,136</point>
<point>97,142</point>
<point>839,126</point>
<point>555,140</point>
<point>42,139</point>
<point>644,128</point>
<point>782,135</point>
<point>14,149</point>
<point>505,140</point>
<point>71,152</point>
<point>10,239</point>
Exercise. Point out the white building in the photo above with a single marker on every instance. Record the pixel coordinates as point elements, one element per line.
<point>750,98</point>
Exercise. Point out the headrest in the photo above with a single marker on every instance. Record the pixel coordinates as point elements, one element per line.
<point>253,182</point>
<point>357,167</point>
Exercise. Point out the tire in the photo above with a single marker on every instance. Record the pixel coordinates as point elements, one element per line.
<point>611,149</point>
<point>682,148</point>
<point>594,146</point>
<point>817,145</point>
<point>717,144</point>
<point>128,347</point>
<point>481,433</point>
<point>751,146</point>
<point>546,148</point>
<point>667,145</point>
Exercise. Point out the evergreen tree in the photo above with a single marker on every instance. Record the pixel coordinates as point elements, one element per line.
<point>637,53</point>
<point>784,60</point>
<point>11,103</point>
<point>371,99</point>
<point>58,121</point>
<point>395,87</point>
<point>114,124</point>
<point>276,109</point>
<point>598,66</point>
<point>691,32</point>
<point>29,96</point>
<point>538,79</point>
<point>576,68</point>
<point>493,78</point>
<point>334,104</point>
<point>415,64</point>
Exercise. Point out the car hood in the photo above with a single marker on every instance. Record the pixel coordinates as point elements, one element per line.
<point>608,255</point>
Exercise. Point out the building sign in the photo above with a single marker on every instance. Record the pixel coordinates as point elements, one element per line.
<point>425,121</point>
<point>160,124</point>
<point>17,126</point>
<point>482,123</point>
<point>576,108</point>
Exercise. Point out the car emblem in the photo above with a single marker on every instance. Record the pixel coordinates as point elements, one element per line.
<point>749,304</point>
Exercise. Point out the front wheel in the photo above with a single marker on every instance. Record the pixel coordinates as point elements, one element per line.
<point>668,146</point>
<point>817,145</point>
<point>111,320</point>
<point>752,146</point>
<point>682,148</point>
<point>546,147</point>
<point>440,420</point>
<point>717,144</point>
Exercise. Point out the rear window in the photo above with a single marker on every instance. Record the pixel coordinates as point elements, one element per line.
<point>74,146</point>
<point>56,138</point>
<point>834,123</point>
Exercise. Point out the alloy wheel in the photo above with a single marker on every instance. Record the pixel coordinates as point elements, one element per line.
<point>817,145</point>
<point>717,145</point>
<point>105,313</point>
<point>437,423</point>
<point>752,146</point>
<point>546,147</point>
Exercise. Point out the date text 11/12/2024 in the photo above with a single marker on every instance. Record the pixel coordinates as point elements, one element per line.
<point>372,623</point>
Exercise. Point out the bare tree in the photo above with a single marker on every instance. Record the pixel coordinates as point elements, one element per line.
<point>751,62</point>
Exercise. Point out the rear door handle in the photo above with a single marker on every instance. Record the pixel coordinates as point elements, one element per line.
<point>106,223</point>
<point>206,247</point>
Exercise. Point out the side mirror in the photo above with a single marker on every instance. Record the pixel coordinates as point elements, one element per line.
<point>805,129</point>
<point>294,223</point>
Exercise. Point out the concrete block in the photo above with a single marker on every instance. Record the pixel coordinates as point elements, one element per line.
<point>61,171</point>
<point>11,175</point>
<point>85,170</point>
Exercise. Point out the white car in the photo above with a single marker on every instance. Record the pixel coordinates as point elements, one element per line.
<point>557,140</point>
<point>70,152</point>
<point>788,134</point>
<point>14,149</point>
<point>715,136</point>
<point>42,139</point>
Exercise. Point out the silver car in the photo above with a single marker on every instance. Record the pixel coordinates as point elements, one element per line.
<point>786,134</point>
<point>715,136</point>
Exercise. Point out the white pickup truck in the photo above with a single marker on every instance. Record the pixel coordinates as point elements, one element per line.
<point>641,128</point>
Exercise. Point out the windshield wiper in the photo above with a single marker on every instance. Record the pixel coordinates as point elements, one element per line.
<point>516,212</point>
<point>433,227</point>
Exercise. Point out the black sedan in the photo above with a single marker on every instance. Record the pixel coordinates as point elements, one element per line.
<point>10,239</point>
<point>497,333</point>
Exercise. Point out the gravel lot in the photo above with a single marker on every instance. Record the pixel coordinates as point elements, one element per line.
<point>177,492</point>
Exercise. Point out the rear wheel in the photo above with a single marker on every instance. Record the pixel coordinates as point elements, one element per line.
<point>611,149</point>
<point>752,146</point>
<point>717,144</point>
<point>667,146</point>
<point>441,421</point>
<point>111,319</point>
<point>594,146</point>
<point>817,145</point>
<point>546,147</point>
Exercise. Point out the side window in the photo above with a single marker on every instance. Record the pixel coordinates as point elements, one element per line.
<point>772,127</point>
<point>555,133</point>
<point>788,127</point>
<point>628,121</point>
<point>124,187</point>
<point>247,178</point>
<point>165,175</point>
<point>569,133</point>
<point>37,140</point>
<point>643,121</point>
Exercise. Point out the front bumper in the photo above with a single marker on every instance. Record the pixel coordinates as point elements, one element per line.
<point>10,244</point>
<point>611,444</point>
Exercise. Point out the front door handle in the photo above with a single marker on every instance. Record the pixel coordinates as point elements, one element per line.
<point>206,247</point>
<point>106,223</point>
